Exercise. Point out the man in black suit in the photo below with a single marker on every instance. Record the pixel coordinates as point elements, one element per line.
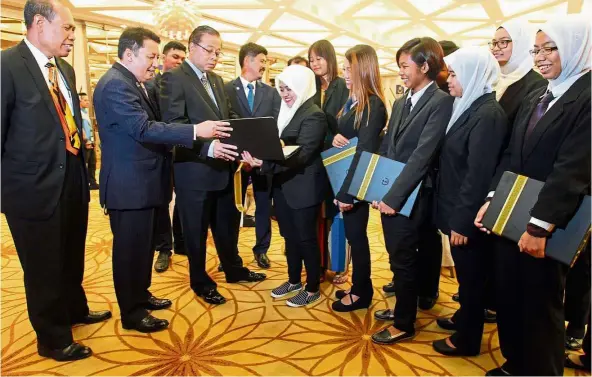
<point>416,128</point>
<point>173,55</point>
<point>251,98</point>
<point>45,191</point>
<point>203,176</point>
<point>132,185</point>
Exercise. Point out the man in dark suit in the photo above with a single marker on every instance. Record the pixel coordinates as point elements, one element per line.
<point>132,189</point>
<point>45,191</point>
<point>251,98</point>
<point>416,128</point>
<point>203,176</point>
<point>173,55</point>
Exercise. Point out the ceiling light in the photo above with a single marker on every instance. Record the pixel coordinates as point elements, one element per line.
<point>176,19</point>
<point>282,7</point>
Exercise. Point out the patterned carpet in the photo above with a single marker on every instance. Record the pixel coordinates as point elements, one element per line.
<point>252,334</point>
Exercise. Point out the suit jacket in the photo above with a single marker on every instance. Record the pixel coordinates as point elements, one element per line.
<point>33,147</point>
<point>557,152</point>
<point>468,158</point>
<point>515,94</point>
<point>267,100</point>
<point>134,143</point>
<point>153,88</point>
<point>302,177</point>
<point>371,125</point>
<point>183,99</point>
<point>416,141</point>
<point>336,96</point>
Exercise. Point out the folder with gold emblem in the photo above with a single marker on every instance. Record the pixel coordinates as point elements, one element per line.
<point>509,213</point>
<point>373,178</point>
<point>337,162</point>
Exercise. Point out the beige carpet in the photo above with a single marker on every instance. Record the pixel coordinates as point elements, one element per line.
<point>252,334</point>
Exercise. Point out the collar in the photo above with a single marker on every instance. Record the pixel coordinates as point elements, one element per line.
<point>245,83</point>
<point>560,89</point>
<point>416,96</point>
<point>197,71</point>
<point>39,56</point>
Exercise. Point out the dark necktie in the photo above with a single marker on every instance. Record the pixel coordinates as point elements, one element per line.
<point>206,84</point>
<point>406,110</point>
<point>348,105</point>
<point>251,96</point>
<point>538,113</point>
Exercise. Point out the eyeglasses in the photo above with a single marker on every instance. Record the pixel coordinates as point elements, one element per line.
<point>543,51</point>
<point>500,44</point>
<point>212,52</point>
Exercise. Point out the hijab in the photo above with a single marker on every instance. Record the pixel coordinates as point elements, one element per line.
<point>520,62</point>
<point>477,71</point>
<point>302,81</point>
<point>571,34</point>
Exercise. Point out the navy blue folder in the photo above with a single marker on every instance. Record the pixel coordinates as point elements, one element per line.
<point>374,177</point>
<point>337,162</point>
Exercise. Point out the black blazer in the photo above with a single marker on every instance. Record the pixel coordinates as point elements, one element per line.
<point>468,158</point>
<point>302,177</point>
<point>416,141</point>
<point>368,137</point>
<point>515,94</point>
<point>183,99</point>
<point>336,96</point>
<point>135,145</point>
<point>267,100</point>
<point>33,142</point>
<point>557,152</point>
<point>153,89</point>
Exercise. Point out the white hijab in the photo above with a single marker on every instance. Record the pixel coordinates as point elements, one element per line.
<point>477,71</point>
<point>571,34</point>
<point>520,62</point>
<point>302,81</point>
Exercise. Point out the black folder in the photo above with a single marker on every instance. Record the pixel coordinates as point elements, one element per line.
<point>258,136</point>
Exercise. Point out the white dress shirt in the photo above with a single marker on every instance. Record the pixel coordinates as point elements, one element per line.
<point>42,60</point>
<point>245,83</point>
<point>417,95</point>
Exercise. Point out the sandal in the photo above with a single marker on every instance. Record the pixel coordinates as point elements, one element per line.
<point>340,278</point>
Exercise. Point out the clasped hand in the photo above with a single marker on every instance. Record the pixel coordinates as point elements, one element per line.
<point>383,208</point>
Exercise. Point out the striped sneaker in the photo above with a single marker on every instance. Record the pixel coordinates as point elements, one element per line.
<point>285,289</point>
<point>303,299</point>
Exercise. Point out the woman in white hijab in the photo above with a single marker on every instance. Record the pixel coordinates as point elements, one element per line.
<point>510,46</point>
<point>468,159</point>
<point>550,143</point>
<point>299,183</point>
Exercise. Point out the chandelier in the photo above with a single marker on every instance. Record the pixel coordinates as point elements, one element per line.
<point>176,19</point>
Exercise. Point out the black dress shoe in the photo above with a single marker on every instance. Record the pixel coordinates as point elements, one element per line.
<point>570,364</point>
<point>340,293</point>
<point>149,324</point>
<point>426,303</point>
<point>262,260</point>
<point>162,261</point>
<point>220,268</point>
<point>361,303</point>
<point>573,344</point>
<point>442,347</point>
<point>249,221</point>
<point>446,324</point>
<point>158,303</point>
<point>249,278</point>
<point>94,317</point>
<point>74,351</point>
<point>212,296</point>
<point>389,288</point>
<point>497,372</point>
<point>385,315</point>
<point>385,337</point>
<point>456,297</point>
<point>489,316</point>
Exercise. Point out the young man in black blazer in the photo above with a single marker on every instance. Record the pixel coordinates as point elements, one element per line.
<point>45,190</point>
<point>251,98</point>
<point>416,128</point>
<point>203,176</point>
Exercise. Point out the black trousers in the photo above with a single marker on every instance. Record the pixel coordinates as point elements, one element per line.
<point>51,252</point>
<point>586,346</point>
<point>471,262</point>
<point>577,296</point>
<point>356,225</point>
<point>163,232</point>
<point>429,260</point>
<point>299,229</point>
<point>178,240</point>
<point>262,191</point>
<point>530,314</point>
<point>90,157</point>
<point>198,211</point>
<point>133,251</point>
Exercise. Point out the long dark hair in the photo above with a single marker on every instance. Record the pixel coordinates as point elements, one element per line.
<point>325,50</point>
